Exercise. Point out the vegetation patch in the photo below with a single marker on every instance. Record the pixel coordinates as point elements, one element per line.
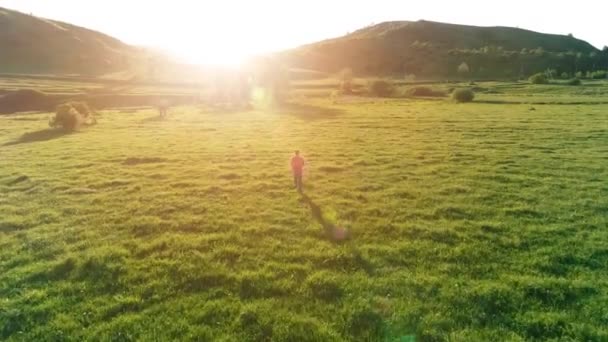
<point>381,88</point>
<point>539,78</point>
<point>324,286</point>
<point>24,100</point>
<point>463,95</point>
<point>72,115</point>
<point>422,91</point>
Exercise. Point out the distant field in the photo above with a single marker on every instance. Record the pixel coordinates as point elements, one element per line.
<point>469,222</point>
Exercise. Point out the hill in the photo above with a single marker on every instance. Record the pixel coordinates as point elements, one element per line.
<point>426,48</point>
<point>29,44</point>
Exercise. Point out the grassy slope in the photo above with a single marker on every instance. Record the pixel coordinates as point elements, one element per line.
<point>435,50</point>
<point>469,222</point>
<point>470,37</point>
<point>31,44</point>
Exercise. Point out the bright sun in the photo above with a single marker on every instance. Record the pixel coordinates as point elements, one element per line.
<point>216,34</point>
<point>225,47</point>
<point>212,56</point>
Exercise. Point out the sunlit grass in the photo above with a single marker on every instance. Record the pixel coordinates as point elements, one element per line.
<point>467,222</point>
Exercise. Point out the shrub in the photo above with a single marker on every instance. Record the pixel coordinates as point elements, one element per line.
<point>463,95</point>
<point>82,108</point>
<point>565,75</point>
<point>424,92</point>
<point>574,82</point>
<point>381,88</point>
<point>71,115</point>
<point>539,78</point>
<point>599,75</point>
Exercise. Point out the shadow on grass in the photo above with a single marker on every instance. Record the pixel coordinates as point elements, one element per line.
<point>308,112</point>
<point>156,118</point>
<point>333,232</point>
<point>317,214</point>
<point>338,235</point>
<point>38,136</point>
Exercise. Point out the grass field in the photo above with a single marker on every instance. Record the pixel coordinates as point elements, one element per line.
<point>470,222</point>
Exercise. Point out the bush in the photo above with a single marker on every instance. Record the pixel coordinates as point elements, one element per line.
<point>381,88</point>
<point>463,95</point>
<point>574,82</point>
<point>424,92</point>
<point>599,75</point>
<point>539,78</point>
<point>82,108</point>
<point>71,115</point>
<point>565,75</point>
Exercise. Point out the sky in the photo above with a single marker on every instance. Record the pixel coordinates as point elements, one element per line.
<point>228,31</point>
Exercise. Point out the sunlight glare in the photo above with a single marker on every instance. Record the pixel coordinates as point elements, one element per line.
<point>228,58</point>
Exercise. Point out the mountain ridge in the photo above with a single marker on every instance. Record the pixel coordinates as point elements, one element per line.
<point>431,48</point>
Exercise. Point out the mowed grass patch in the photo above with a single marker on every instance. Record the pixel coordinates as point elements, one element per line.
<point>466,222</point>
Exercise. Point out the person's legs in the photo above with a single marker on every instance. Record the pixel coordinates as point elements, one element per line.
<point>299,182</point>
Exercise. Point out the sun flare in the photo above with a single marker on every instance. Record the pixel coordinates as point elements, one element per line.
<point>212,56</point>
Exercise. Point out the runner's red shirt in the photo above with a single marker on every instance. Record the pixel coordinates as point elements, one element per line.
<point>297,164</point>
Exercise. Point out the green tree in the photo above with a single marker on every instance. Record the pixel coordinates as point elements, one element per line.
<point>539,78</point>
<point>463,69</point>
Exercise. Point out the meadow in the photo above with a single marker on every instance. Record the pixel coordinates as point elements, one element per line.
<point>483,221</point>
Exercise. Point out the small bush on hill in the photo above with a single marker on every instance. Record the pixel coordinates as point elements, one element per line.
<point>71,115</point>
<point>599,75</point>
<point>539,78</point>
<point>574,82</point>
<point>565,75</point>
<point>424,92</point>
<point>463,95</point>
<point>381,88</point>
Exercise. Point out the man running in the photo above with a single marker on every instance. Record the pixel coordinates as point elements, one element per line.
<point>297,165</point>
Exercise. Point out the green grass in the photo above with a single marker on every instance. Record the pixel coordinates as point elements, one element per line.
<point>468,222</point>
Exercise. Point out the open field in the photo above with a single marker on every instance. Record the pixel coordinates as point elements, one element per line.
<point>468,222</point>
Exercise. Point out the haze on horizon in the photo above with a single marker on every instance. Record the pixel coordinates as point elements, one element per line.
<point>227,32</point>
